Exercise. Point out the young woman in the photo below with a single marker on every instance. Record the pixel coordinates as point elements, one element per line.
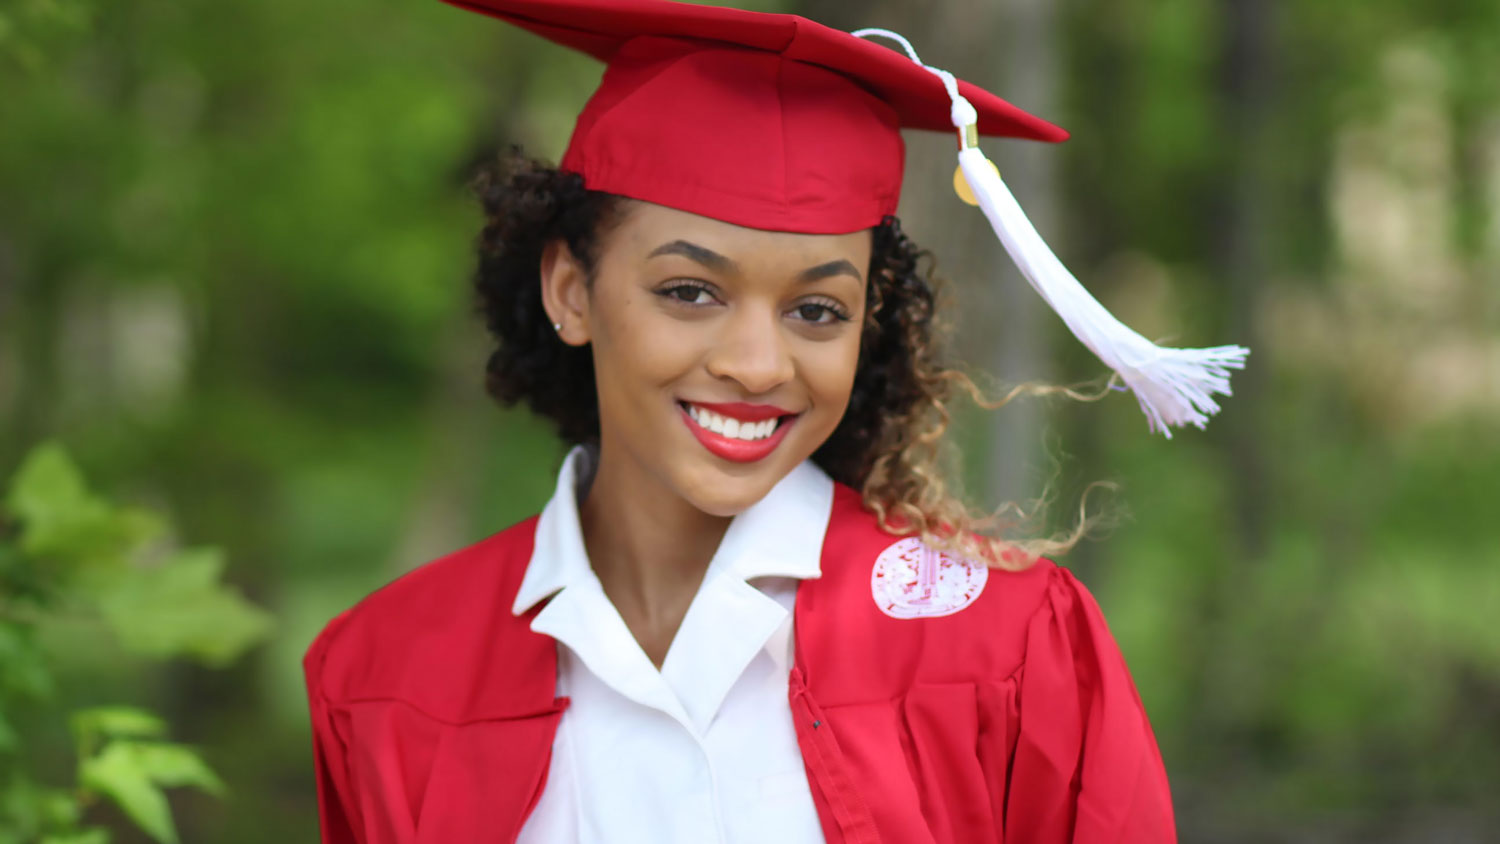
<point>750,612</point>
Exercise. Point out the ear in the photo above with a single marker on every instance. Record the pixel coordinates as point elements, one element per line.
<point>565,294</point>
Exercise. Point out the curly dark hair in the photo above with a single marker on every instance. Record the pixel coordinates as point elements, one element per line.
<point>886,445</point>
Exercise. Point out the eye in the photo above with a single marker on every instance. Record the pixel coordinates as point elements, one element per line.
<point>820,312</point>
<point>687,292</point>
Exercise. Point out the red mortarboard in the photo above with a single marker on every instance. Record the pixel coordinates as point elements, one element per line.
<point>776,122</point>
<point>770,121</point>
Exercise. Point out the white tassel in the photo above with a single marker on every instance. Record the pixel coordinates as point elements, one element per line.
<point>1174,386</point>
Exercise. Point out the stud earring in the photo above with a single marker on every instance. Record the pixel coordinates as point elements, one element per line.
<point>557,326</point>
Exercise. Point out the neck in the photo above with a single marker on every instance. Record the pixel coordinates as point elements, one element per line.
<point>649,547</point>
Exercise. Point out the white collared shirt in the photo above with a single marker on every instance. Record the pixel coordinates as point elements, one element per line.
<point>703,750</point>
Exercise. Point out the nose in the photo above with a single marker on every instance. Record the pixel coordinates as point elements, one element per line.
<point>752,351</point>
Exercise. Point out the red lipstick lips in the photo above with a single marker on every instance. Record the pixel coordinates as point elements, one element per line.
<point>733,448</point>
<point>745,412</point>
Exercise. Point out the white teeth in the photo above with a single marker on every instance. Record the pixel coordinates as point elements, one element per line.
<point>732,428</point>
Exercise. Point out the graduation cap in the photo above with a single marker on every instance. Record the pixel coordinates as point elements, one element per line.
<point>774,121</point>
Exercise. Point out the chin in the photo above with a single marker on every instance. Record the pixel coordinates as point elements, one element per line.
<point>727,492</point>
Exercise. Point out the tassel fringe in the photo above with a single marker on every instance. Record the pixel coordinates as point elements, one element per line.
<point>1174,386</point>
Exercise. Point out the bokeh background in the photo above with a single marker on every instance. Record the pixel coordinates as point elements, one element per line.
<point>235,244</point>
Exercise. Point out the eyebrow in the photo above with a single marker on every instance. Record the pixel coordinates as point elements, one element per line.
<point>832,268</point>
<point>692,251</point>
<point>718,263</point>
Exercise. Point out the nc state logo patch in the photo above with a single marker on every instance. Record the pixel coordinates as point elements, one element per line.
<point>911,580</point>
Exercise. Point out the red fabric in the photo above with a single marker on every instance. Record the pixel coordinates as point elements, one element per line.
<point>765,120</point>
<point>433,707</point>
<point>1013,721</point>
<point>739,135</point>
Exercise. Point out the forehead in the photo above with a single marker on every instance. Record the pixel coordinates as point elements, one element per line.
<point>643,226</point>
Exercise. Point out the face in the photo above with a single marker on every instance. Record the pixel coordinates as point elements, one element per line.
<point>724,356</point>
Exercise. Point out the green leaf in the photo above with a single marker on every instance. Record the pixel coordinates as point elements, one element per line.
<point>118,773</point>
<point>90,725</point>
<point>175,765</point>
<point>117,722</point>
<point>47,487</point>
<point>180,607</point>
<point>93,835</point>
<point>133,774</point>
<point>62,520</point>
<point>59,809</point>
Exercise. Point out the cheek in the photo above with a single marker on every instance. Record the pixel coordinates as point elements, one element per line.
<point>635,343</point>
<point>829,373</point>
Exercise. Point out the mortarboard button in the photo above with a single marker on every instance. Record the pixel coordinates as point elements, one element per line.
<point>961,185</point>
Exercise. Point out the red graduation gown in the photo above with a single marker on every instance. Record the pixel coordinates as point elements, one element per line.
<point>1013,720</point>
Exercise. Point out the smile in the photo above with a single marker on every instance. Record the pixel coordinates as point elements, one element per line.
<point>742,433</point>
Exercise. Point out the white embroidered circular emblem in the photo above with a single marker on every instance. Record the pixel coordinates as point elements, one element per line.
<point>911,580</point>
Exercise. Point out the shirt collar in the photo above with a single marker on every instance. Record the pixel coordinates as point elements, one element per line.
<point>779,535</point>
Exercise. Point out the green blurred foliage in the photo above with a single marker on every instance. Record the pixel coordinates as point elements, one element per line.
<point>70,558</point>
<point>234,250</point>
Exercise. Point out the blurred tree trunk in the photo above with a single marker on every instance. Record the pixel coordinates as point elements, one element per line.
<point>460,423</point>
<point>1240,251</point>
<point>30,316</point>
<point>1238,260</point>
<point>1007,48</point>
